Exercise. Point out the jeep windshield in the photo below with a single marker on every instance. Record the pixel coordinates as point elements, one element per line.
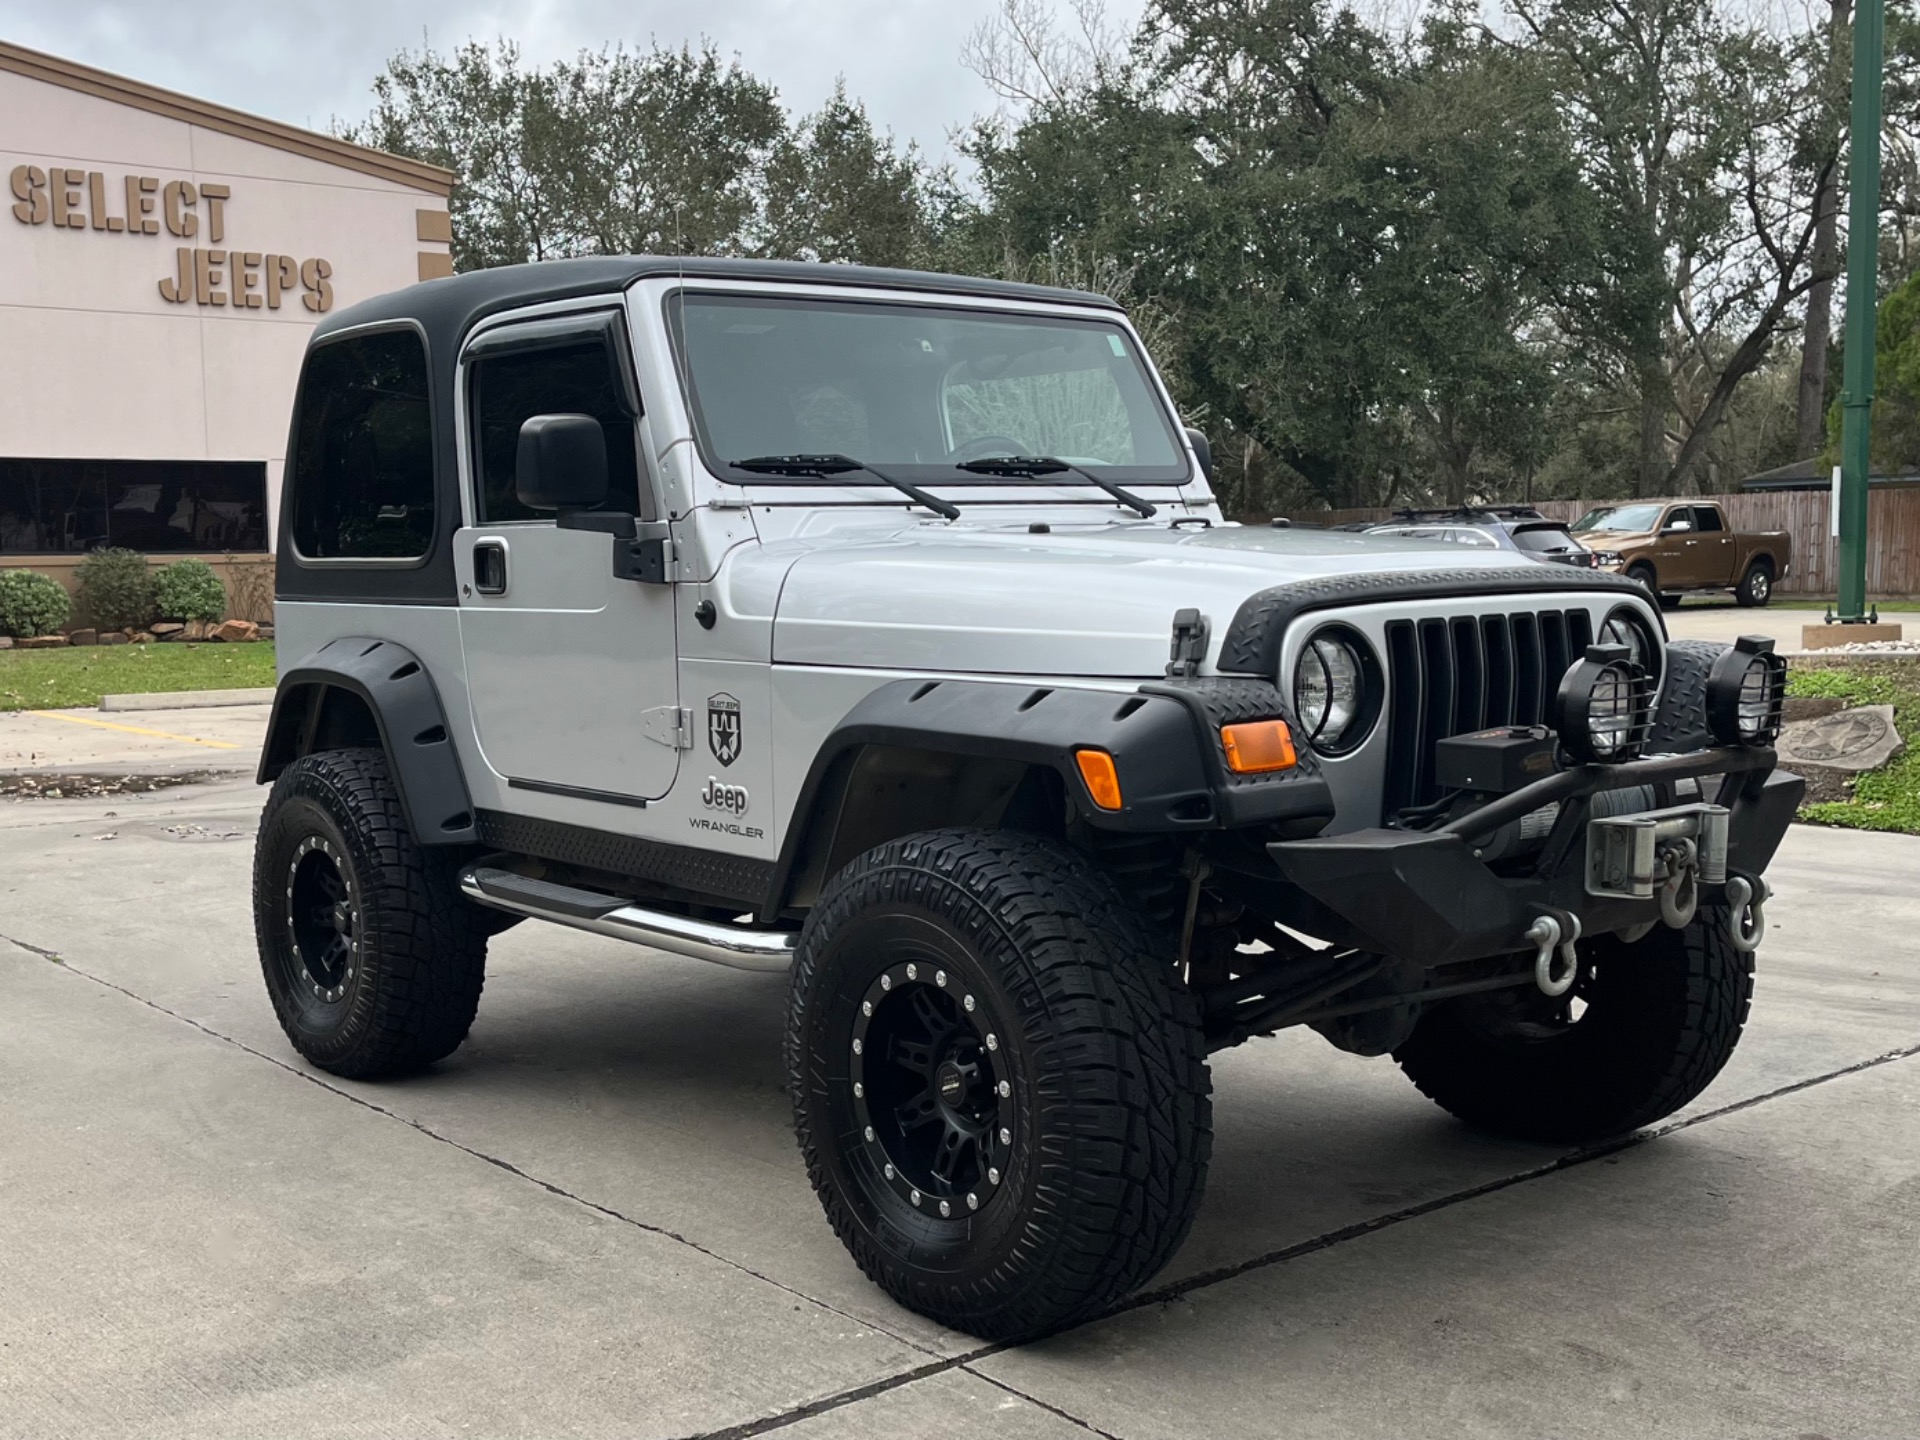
<point>918,391</point>
<point>1619,519</point>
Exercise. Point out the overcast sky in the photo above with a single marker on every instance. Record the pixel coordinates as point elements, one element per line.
<point>307,61</point>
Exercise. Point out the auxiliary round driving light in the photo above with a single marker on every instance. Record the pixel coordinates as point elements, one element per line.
<point>1604,706</point>
<point>1746,691</point>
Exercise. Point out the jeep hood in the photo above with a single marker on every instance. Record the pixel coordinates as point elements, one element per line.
<point>1080,600</point>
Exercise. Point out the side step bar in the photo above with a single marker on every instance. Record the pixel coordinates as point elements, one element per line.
<point>769,951</point>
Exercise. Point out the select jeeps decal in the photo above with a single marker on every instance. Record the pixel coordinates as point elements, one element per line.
<point>723,728</point>
<point>729,800</point>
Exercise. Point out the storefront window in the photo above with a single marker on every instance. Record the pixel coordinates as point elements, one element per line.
<point>67,507</point>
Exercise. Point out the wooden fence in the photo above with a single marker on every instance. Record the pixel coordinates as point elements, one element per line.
<point>1893,534</point>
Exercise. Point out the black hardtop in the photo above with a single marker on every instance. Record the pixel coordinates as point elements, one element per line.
<point>447,309</point>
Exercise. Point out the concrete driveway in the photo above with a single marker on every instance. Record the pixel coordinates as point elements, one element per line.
<point>593,1221</point>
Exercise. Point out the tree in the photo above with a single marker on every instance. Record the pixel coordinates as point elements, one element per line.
<point>837,191</point>
<point>1828,133</point>
<point>1354,242</point>
<point>652,152</point>
<point>1691,131</point>
<point>1896,399</point>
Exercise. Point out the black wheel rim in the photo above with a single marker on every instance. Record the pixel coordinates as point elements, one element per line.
<point>932,1090</point>
<point>323,922</point>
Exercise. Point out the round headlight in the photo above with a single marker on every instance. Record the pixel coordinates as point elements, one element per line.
<point>1746,690</point>
<point>1603,706</point>
<point>1625,627</point>
<point>1335,693</point>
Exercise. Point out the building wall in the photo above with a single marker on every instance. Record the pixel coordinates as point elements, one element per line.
<point>96,362</point>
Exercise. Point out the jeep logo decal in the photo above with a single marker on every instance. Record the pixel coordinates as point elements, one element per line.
<point>723,728</point>
<point>718,796</point>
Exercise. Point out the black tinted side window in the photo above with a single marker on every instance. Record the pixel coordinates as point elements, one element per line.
<point>362,463</point>
<point>1706,517</point>
<point>508,390</point>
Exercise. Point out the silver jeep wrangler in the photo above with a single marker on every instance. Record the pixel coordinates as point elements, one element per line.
<point>881,629</point>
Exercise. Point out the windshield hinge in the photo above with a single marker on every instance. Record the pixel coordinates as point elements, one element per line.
<point>668,725</point>
<point>1189,644</point>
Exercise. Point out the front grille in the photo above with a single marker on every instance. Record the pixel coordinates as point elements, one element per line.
<point>1451,677</point>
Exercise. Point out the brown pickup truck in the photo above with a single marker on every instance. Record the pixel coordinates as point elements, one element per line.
<point>1674,547</point>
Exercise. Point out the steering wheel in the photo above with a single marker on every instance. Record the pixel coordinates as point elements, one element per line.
<point>981,446</point>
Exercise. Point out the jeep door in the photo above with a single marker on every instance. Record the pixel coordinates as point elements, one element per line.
<point>564,660</point>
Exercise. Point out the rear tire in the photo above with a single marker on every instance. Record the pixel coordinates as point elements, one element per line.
<point>1000,1085</point>
<point>1756,586</point>
<point>1660,1019</point>
<point>372,957</point>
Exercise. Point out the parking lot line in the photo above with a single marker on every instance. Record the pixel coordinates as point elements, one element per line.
<point>135,730</point>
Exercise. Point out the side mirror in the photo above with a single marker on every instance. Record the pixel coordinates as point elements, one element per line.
<point>1202,451</point>
<point>561,463</point>
<point>1679,527</point>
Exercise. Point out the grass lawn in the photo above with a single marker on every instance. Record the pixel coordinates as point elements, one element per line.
<point>1823,602</point>
<point>66,679</point>
<point>1888,798</point>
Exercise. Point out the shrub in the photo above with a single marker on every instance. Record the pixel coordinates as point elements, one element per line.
<point>188,590</point>
<point>115,589</point>
<point>31,604</point>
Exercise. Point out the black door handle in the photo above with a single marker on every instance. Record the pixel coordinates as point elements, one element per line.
<point>490,567</point>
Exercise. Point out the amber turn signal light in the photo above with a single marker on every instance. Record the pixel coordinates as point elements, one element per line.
<point>1103,781</point>
<point>1259,746</point>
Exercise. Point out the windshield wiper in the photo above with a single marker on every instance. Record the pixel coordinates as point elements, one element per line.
<point>1037,465</point>
<point>825,465</point>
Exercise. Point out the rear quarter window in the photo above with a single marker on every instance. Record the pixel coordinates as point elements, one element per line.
<point>1544,538</point>
<point>361,472</point>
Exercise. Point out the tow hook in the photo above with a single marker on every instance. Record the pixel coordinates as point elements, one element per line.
<point>1680,882</point>
<point>1547,937</point>
<point>1747,897</point>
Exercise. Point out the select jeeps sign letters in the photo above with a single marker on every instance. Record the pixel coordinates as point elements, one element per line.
<point>139,204</point>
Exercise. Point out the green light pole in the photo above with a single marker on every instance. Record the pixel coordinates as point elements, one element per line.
<point>1863,250</point>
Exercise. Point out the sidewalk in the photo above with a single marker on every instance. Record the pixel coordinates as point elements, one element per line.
<point>228,738</point>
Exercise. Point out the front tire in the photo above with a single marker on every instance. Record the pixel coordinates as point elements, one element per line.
<point>999,1083</point>
<point>373,959</point>
<point>1644,1030</point>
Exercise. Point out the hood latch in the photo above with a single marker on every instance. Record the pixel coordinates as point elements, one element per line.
<point>1189,648</point>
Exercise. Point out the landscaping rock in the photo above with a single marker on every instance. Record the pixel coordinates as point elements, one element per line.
<point>6,642</point>
<point>196,630</point>
<point>1862,738</point>
<point>163,628</point>
<point>83,637</point>
<point>144,637</point>
<point>266,632</point>
<point>42,642</point>
<point>114,637</point>
<point>235,631</point>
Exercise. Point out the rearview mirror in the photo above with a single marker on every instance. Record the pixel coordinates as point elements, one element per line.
<point>561,463</point>
<point>1202,451</point>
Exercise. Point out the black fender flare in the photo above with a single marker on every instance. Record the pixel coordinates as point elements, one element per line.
<point>1163,737</point>
<point>394,686</point>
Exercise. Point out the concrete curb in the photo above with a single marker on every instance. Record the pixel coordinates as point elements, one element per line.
<point>186,699</point>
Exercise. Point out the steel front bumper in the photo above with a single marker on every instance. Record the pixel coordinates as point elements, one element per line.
<point>1425,896</point>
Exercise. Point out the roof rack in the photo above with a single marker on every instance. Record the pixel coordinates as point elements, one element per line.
<point>1472,512</point>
